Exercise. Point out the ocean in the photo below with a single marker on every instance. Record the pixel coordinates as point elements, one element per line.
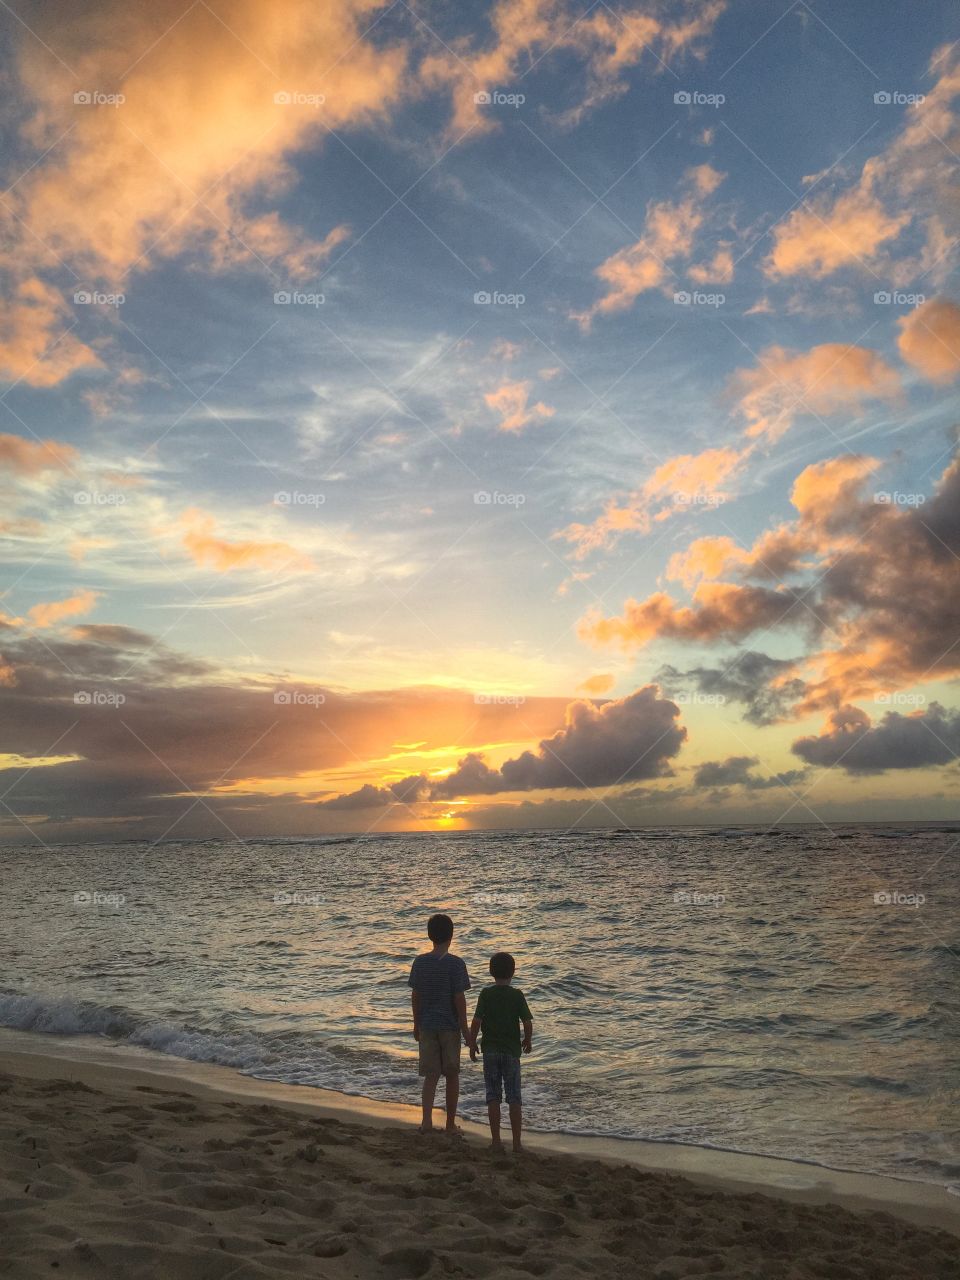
<point>791,992</point>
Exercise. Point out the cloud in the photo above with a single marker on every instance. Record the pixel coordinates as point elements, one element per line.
<point>930,339</point>
<point>819,238</point>
<point>522,32</point>
<point>911,184</point>
<point>830,378</point>
<point>915,741</point>
<point>187,160</point>
<point>595,686</point>
<point>721,610</point>
<point>510,401</point>
<point>686,482</point>
<point>768,687</point>
<point>878,592</point>
<point>31,458</point>
<point>737,771</point>
<point>208,549</point>
<point>186,728</point>
<point>36,345</point>
<point>826,379</point>
<point>48,615</point>
<point>725,773</point>
<point>368,796</point>
<point>668,235</point>
<point>621,741</point>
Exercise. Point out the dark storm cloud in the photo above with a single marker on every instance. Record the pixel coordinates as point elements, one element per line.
<point>897,742</point>
<point>621,741</point>
<point>747,679</point>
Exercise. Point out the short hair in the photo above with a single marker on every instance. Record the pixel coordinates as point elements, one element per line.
<point>439,928</point>
<point>502,965</point>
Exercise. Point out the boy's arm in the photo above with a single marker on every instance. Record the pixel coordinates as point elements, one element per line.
<point>527,1035</point>
<point>460,1006</point>
<point>415,1006</point>
<point>472,1041</point>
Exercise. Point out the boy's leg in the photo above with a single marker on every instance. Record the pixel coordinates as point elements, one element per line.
<point>493,1084</point>
<point>427,1096</point>
<point>511,1083</point>
<point>453,1097</point>
<point>516,1124</point>
<point>493,1112</point>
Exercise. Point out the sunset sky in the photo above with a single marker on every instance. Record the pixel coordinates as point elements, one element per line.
<point>435,416</point>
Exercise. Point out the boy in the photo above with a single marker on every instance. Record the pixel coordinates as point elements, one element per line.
<point>500,1011</point>
<point>439,980</point>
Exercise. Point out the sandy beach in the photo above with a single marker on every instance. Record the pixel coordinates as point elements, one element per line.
<point>106,1175</point>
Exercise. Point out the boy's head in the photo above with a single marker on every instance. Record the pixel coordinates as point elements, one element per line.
<point>439,929</point>
<point>502,966</point>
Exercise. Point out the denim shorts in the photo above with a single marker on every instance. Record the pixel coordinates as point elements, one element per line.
<point>501,1076</point>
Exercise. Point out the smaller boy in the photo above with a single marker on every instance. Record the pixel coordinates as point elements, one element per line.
<point>500,1011</point>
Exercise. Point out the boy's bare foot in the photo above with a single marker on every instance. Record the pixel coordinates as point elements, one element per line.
<point>497,1147</point>
<point>426,1128</point>
<point>518,1148</point>
<point>453,1130</point>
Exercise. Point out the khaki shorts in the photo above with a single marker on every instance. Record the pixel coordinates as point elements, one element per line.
<point>439,1053</point>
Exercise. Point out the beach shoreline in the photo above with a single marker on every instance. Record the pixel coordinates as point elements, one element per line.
<point>122,1070</point>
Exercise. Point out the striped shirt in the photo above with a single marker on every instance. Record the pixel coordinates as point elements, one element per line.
<point>437,979</point>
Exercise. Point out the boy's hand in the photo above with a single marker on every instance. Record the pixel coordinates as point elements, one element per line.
<point>527,1045</point>
<point>416,1033</point>
<point>472,1046</point>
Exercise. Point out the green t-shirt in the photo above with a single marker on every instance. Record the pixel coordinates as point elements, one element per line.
<point>501,1010</point>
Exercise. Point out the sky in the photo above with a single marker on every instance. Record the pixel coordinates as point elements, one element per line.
<point>432,417</point>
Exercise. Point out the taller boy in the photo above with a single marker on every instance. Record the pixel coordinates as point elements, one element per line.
<point>439,981</point>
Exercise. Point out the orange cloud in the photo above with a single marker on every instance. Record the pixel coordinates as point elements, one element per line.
<point>608,43</point>
<point>207,548</point>
<point>47,615</point>
<point>197,137</point>
<point>689,480</point>
<point>829,378</point>
<point>511,402</point>
<point>596,686</point>
<point>36,345</point>
<point>28,457</point>
<point>816,240</point>
<point>930,339</point>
